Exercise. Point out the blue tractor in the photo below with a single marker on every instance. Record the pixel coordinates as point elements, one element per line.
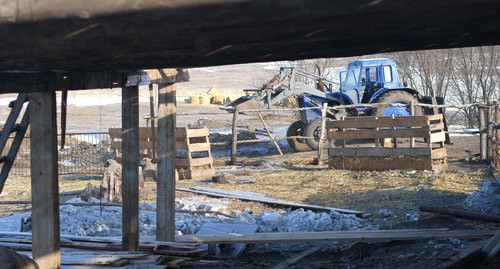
<point>364,82</point>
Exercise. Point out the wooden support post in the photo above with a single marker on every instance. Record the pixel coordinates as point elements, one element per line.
<point>152,120</point>
<point>412,112</point>
<point>44,180</point>
<point>270,134</point>
<point>165,193</point>
<point>234,135</point>
<point>130,170</point>
<point>322,133</point>
<point>482,132</point>
<point>488,119</point>
<point>64,109</point>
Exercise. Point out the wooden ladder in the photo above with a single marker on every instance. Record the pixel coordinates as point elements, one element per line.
<point>11,126</point>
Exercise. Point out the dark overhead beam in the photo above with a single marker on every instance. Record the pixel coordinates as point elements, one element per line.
<point>95,35</point>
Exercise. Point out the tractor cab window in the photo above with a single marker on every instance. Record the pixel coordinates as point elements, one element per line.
<point>350,78</point>
<point>371,74</point>
<point>387,73</point>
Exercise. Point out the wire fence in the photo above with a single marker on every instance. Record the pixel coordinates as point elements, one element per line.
<point>83,154</point>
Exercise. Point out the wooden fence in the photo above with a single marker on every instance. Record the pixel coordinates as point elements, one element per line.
<point>381,143</point>
<point>495,140</point>
<point>193,155</point>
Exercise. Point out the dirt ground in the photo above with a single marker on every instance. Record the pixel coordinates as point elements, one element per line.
<point>293,177</point>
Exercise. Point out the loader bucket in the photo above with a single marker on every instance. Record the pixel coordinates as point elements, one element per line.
<point>243,103</point>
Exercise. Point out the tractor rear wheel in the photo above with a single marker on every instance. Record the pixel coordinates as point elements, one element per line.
<point>313,129</point>
<point>396,97</point>
<point>297,144</point>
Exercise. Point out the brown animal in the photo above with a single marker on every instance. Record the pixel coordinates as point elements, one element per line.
<point>9,259</point>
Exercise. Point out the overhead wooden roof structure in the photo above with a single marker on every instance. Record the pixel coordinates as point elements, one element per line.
<point>94,35</point>
<point>50,45</point>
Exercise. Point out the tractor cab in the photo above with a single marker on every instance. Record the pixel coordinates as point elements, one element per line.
<point>363,78</point>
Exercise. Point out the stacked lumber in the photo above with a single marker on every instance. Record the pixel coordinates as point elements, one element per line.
<point>99,251</point>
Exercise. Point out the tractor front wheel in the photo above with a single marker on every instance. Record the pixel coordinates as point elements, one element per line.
<point>297,144</point>
<point>313,129</point>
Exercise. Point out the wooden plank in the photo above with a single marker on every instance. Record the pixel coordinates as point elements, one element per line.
<point>181,132</point>
<point>371,151</point>
<point>89,260</point>
<point>285,264</point>
<point>436,126</point>
<point>44,180</point>
<point>142,144</point>
<point>439,153</point>
<point>383,133</point>
<point>438,137</point>
<point>233,250</point>
<point>379,122</point>
<point>435,117</point>
<point>370,164</point>
<point>130,171</point>
<point>199,147</point>
<point>165,193</point>
<point>264,199</point>
<point>344,236</point>
<point>198,132</point>
<point>269,133</point>
<point>115,133</point>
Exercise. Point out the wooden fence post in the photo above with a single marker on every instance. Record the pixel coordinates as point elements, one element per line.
<point>234,135</point>
<point>482,130</point>
<point>152,120</point>
<point>412,112</point>
<point>488,132</point>
<point>322,133</point>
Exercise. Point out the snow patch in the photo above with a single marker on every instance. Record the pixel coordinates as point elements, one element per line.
<point>106,220</point>
<point>487,199</point>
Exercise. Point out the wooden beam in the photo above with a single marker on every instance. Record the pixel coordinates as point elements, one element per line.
<point>44,180</point>
<point>358,236</point>
<point>130,171</point>
<point>165,193</point>
<point>256,197</point>
<point>78,34</point>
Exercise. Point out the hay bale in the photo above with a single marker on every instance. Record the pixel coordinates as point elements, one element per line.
<point>214,92</point>
<point>217,100</point>
<point>205,99</point>
<point>194,100</point>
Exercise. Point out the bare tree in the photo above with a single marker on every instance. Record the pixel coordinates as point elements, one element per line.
<point>475,78</point>
<point>427,71</point>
